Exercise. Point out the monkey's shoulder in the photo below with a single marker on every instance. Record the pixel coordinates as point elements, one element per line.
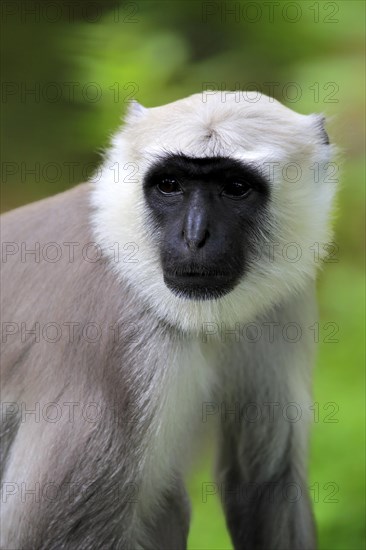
<point>53,217</point>
<point>51,261</point>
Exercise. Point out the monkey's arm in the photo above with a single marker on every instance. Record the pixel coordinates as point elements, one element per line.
<point>262,465</point>
<point>69,373</point>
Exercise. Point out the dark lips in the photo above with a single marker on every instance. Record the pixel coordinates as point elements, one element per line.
<point>202,286</point>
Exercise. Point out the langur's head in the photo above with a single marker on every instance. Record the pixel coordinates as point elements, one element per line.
<point>227,198</point>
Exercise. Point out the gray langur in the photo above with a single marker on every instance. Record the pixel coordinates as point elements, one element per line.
<point>176,288</point>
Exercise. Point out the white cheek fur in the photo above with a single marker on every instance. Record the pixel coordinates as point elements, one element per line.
<point>299,205</point>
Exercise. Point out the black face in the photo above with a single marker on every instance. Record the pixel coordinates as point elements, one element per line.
<point>206,211</point>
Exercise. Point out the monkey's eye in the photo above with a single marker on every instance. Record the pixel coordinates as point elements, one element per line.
<point>236,189</point>
<point>169,186</point>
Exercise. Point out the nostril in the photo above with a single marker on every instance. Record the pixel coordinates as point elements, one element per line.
<point>197,240</point>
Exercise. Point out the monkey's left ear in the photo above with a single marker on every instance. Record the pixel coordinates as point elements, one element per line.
<point>135,111</point>
<point>321,120</point>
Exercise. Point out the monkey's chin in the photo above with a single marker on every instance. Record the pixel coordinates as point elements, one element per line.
<point>199,288</point>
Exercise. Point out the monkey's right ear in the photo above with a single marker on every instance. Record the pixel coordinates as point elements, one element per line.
<point>321,120</point>
<point>135,111</point>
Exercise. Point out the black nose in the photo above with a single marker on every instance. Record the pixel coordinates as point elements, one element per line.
<point>195,229</point>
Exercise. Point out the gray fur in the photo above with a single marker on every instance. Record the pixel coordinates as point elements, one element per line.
<point>263,458</point>
<point>127,377</point>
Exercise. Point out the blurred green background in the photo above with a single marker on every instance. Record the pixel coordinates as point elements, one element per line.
<point>68,70</point>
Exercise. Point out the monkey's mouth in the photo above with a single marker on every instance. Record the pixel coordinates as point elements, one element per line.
<point>199,273</point>
<point>202,284</point>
